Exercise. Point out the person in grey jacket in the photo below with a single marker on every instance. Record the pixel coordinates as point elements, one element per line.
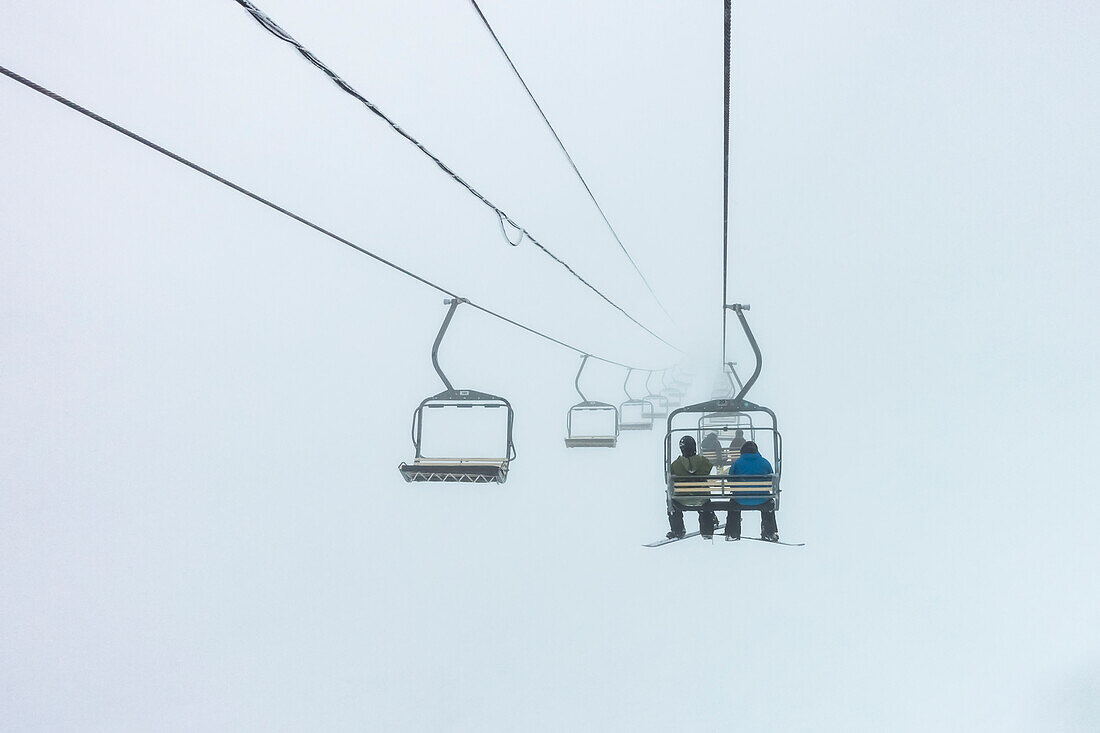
<point>690,464</point>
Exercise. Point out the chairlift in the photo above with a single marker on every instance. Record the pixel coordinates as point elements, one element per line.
<point>658,402</point>
<point>728,390</point>
<point>602,439</point>
<point>683,382</point>
<point>634,414</point>
<point>675,395</point>
<point>717,491</point>
<point>725,426</point>
<point>461,469</point>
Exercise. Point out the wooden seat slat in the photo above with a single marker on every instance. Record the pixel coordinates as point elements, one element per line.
<point>723,485</point>
<point>458,461</point>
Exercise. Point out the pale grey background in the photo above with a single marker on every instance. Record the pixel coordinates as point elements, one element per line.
<point>202,403</point>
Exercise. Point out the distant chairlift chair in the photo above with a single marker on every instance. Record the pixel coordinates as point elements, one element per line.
<point>457,469</point>
<point>607,438</point>
<point>725,425</point>
<point>675,395</point>
<point>634,414</point>
<point>658,402</point>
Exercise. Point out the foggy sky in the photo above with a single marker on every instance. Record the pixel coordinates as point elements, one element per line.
<point>203,403</point>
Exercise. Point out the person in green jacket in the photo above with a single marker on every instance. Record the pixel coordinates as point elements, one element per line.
<point>690,464</point>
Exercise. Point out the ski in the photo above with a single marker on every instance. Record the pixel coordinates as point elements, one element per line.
<point>689,535</point>
<point>777,542</point>
<point>718,533</point>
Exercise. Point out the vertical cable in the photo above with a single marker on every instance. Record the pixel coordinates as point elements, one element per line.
<point>726,183</point>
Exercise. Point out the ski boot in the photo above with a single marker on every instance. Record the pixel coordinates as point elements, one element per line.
<point>707,522</point>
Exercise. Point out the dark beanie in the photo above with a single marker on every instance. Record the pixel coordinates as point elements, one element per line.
<point>749,447</point>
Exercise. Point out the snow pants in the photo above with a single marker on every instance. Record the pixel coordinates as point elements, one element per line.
<point>767,518</point>
<point>708,521</point>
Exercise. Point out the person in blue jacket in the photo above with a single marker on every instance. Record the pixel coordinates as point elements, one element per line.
<point>751,463</point>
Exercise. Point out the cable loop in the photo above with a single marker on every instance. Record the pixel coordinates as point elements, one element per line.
<point>290,214</point>
<point>270,26</point>
<point>522,231</point>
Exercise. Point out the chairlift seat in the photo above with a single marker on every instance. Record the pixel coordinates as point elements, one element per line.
<point>720,490</point>
<point>591,441</point>
<point>719,458</point>
<point>455,470</point>
<point>594,440</point>
<point>697,490</point>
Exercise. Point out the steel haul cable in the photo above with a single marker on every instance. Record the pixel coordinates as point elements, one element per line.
<point>726,181</point>
<point>272,27</point>
<point>567,155</point>
<point>286,212</point>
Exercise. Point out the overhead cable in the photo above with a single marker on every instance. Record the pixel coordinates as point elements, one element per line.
<point>286,212</point>
<point>265,20</point>
<point>568,157</point>
<point>726,181</point>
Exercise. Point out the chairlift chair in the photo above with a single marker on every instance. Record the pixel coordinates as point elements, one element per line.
<point>716,492</point>
<point>725,426</point>
<point>658,402</point>
<point>634,414</point>
<point>602,439</point>
<point>673,394</point>
<point>460,469</point>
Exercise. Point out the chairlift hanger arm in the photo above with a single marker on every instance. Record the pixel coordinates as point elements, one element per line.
<point>454,303</point>
<point>740,309</point>
<point>577,380</point>
<point>736,377</point>
<point>629,371</point>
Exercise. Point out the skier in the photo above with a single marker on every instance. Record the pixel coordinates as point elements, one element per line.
<point>690,464</point>
<point>751,463</point>
<point>711,444</point>
<point>737,442</point>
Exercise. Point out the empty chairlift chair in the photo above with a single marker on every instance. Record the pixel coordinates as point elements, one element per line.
<point>658,402</point>
<point>727,389</point>
<point>634,414</point>
<point>458,469</point>
<point>674,394</point>
<point>601,420</point>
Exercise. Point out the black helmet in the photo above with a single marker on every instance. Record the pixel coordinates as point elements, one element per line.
<point>687,445</point>
<point>749,447</point>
